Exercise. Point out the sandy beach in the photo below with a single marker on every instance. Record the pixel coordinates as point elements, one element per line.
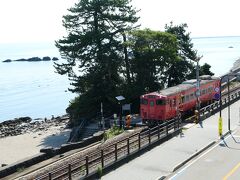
<point>16,148</point>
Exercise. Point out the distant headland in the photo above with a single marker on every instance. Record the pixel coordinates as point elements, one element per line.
<point>32,59</point>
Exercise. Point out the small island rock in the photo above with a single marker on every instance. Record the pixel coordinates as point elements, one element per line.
<point>55,59</point>
<point>46,58</point>
<point>7,60</point>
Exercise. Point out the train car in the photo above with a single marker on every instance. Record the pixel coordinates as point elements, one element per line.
<point>168,103</point>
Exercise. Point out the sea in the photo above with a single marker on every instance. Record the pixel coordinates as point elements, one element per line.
<point>34,89</point>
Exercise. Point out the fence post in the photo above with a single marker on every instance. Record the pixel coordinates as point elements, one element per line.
<point>149,135</point>
<point>158,131</point>
<point>69,172</point>
<point>116,152</point>
<point>50,176</point>
<point>102,158</point>
<point>87,167</point>
<point>128,148</point>
<point>139,141</point>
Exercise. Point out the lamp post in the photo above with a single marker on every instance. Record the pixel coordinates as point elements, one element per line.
<point>198,86</point>
<point>120,99</point>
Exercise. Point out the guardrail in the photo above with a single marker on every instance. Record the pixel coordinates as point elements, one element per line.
<point>107,156</point>
<point>207,111</point>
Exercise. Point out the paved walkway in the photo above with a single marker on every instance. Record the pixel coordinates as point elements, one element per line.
<point>163,159</point>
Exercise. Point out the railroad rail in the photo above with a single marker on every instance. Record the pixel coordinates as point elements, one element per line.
<point>89,165</point>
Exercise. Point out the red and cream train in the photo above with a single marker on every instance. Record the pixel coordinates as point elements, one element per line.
<point>174,101</point>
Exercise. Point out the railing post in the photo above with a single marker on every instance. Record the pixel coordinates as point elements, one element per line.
<point>116,152</point>
<point>102,158</point>
<point>139,141</point>
<point>158,131</point>
<point>50,176</point>
<point>128,148</point>
<point>149,135</point>
<point>87,166</point>
<point>69,172</point>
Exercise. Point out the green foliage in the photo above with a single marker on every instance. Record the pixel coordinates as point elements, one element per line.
<point>99,172</point>
<point>94,52</point>
<point>114,131</point>
<point>153,52</point>
<point>183,67</point>
<point>205,70</point>
<point>20,169</point>
<point>101,33</point>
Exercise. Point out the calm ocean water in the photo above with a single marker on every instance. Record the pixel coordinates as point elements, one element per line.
<point>33,89</point>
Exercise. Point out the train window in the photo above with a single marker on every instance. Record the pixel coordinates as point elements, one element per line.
<point>151,96</point>
<point>187,98</point>
<point>160,102</point>
<point>203,91</point>
<point>191,96</point>
<point>174,102</point>
<point>144,101</point>
<point>183,99</point>
<point>151,103</point>
<point>210,89</point>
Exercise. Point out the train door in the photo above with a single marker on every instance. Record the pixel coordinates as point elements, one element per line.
<point>152,108</point>
<point>172,107</point>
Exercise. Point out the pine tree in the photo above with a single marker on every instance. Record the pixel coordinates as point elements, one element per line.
<point>93,50</point>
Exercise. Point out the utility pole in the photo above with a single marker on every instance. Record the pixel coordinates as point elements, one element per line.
<point>198,88</point>
<point>103,123</point>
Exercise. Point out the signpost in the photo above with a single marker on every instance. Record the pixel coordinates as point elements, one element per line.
<point>220,127</point>
<point>120,99</point>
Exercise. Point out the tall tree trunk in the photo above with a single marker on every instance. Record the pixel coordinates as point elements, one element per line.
<point>126,59</point>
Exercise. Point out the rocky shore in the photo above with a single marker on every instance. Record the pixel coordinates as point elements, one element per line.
<point>24,125</point>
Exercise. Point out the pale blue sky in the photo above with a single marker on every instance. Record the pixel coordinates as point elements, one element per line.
<point>40,20</point>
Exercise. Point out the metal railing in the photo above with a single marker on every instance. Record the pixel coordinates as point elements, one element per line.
<point>89,165</point>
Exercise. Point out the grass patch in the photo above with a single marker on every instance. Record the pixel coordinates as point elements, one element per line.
<point>20,169</point>
<point>114,131</point>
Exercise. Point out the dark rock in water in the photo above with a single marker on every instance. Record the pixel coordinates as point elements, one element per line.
<point>230,47</point>
<point>55,59</point>
<point>7,60</point>
<point>30,59</point>
<point>46,58</point>
<point>22,59</point>
<point>34,59</point>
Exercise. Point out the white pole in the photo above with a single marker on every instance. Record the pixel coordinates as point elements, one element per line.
<point>102,116</point>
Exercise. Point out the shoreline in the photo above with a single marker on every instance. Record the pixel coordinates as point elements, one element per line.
<point>25,138</point>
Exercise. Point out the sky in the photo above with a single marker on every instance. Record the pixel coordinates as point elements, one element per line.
<point>41,20</point>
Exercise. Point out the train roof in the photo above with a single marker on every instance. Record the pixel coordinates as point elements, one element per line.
<point>184,86</point>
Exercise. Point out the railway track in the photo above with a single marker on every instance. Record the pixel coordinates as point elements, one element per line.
<point>89,163</point>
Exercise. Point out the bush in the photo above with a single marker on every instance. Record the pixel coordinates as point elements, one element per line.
<point>114,131</point>
<point>99,172</point>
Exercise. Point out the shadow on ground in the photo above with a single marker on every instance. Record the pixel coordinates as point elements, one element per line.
<point>56,140</point>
